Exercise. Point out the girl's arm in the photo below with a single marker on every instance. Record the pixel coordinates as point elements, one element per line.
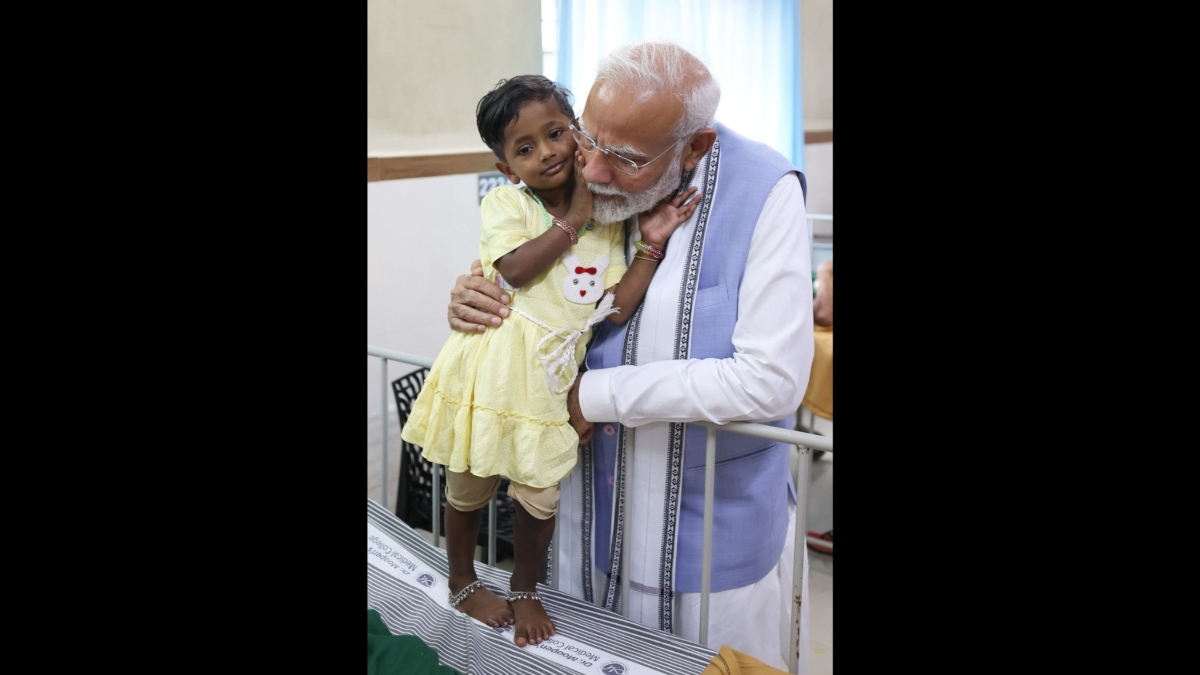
<point>656,226</point>
<point>522,264</point>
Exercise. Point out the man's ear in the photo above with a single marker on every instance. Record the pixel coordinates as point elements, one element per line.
<point>505,169</point>
<point>699,144</point>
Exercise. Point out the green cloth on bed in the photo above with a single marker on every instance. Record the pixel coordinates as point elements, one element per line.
<point>389,654</point>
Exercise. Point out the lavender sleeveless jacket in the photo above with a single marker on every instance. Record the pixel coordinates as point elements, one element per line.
<point>753,477</point>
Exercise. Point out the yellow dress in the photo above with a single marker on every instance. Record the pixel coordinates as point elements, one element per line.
<point>486,405</point>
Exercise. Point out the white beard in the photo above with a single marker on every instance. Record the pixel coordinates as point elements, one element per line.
<point>612,212</point>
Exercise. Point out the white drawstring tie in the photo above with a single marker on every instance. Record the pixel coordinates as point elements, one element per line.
<point>561,360</point>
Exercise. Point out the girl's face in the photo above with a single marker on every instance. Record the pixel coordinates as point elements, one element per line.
<point>539,146</point>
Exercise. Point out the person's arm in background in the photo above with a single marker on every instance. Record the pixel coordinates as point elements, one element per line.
<point>767,376</point>
<point>823,301</point>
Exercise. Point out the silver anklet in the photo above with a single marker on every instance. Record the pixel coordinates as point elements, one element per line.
<point>457,598</point>
<point>523,595</point>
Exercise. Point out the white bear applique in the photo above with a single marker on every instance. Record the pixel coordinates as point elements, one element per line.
<point>584,285</point>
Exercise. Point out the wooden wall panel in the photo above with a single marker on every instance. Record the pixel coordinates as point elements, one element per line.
<point>418,166</point>
<point>823,136</point>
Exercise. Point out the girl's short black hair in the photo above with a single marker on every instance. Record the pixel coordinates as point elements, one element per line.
<point>503,104</point>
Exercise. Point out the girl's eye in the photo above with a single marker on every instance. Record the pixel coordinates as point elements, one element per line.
<point>554,135</point>
<point>575,281</point>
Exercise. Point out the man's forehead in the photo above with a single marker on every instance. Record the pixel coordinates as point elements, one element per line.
<point>635,118</point>
<point>606,97</point>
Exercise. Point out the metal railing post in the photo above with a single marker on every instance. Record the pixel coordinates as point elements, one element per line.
<point>492,532</point>
<point>803,472</point>
<point>383,437</point>
<point>435,513</point>
<point>710,465</point>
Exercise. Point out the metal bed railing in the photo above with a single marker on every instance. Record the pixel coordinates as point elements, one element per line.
<point>806,442</point>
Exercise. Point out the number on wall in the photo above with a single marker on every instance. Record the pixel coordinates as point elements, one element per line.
<point>488,181</point>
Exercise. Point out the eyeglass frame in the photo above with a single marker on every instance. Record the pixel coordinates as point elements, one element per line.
<point>577,132</point>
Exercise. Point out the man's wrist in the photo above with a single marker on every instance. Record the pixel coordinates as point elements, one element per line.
<point>595,404</point>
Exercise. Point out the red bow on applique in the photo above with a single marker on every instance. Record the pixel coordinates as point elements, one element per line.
<point>581,270</point>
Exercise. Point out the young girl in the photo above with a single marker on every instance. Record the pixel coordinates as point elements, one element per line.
<point>494,403</point>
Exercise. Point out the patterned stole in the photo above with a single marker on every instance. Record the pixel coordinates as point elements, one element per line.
<point>704,175</point>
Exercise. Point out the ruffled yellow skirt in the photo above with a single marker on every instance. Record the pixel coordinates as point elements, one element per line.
<point>486,408</point>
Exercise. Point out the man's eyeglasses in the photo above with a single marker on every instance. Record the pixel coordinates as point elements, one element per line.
<point>623,164</point>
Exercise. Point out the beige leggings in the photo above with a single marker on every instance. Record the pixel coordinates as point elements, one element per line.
<point>468,492</point>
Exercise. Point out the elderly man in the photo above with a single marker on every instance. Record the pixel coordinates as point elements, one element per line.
<point>724,334</point>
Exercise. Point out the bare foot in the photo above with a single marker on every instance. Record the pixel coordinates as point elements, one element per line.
<point>484,605</point>
<point>533,624</point>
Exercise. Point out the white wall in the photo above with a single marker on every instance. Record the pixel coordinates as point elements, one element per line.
<point>421,234</point>
<point>816,56</point>
<point>816,62</point>
<point>430,61</point>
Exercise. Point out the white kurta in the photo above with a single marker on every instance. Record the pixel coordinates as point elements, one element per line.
<point>765,379</point>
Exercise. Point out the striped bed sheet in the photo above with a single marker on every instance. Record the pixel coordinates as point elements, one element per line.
<point>406,584</point>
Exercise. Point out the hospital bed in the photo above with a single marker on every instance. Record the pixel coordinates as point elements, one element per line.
<point>406,583</point>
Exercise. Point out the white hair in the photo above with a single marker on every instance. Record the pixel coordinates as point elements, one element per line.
<point>665,66</point>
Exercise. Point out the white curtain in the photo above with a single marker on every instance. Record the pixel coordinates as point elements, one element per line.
<point>752,48</point>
